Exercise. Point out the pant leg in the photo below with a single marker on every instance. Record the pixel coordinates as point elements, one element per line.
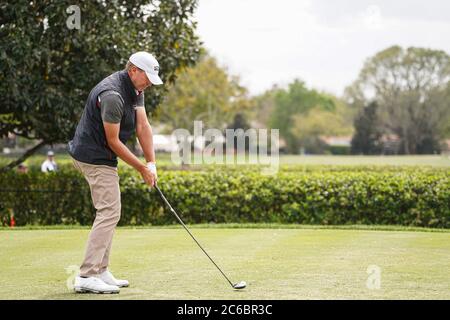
<point>105,261</point>
<point>105,193</point>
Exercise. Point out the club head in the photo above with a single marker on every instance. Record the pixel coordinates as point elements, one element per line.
<point>240,285</point>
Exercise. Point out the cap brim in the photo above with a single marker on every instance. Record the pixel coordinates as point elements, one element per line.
<point>154,79</point>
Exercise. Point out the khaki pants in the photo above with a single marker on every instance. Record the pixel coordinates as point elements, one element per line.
<point>105,193</point>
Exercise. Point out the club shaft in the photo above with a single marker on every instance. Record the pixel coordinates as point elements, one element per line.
<point>186,228</point>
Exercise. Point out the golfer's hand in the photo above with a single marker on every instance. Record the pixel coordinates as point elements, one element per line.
<point>148,176</point>
<point>152,167</point>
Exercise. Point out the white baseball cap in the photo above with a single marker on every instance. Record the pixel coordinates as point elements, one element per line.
<point>145,61</point>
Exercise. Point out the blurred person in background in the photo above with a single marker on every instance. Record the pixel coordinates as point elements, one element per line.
<point>50,163</point>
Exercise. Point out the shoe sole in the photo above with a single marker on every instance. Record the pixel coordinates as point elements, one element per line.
<point>86,290</point>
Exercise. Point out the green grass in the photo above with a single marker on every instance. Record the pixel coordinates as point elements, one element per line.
<point>238,226</point>
<point>414,160</point>
<point>277,263</point>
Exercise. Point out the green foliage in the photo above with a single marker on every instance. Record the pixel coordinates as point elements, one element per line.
<point>239,122</point>
<point>410,197</point>
<point>48,70</point>
<point>205,93</point>
<point>412,89</point>
<point>368,131</point>
<point>339,150</point>
<point>329,117</point>
<point>53,198</point>
<point>294,101</point>
<point>263,107</point>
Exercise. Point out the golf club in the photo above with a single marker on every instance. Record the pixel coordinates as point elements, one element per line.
<point>239,285</point>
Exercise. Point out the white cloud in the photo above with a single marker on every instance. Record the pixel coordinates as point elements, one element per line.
<point>372,17</point>
<point>272,42</point>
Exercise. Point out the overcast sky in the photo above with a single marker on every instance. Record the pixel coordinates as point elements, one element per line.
<point>323,42</point>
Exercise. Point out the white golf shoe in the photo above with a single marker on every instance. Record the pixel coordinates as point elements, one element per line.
<point>94,285</point>
<point>108,278</point>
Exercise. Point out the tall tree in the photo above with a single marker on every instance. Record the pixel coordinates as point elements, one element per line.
<point>412,89</point>
<point>205,92</point>
<point>310,128</point>
<point>297,99</point>
<point>240,125</point>
<point>48,65</point>
<point>263,106</point>
<point>368,131</point>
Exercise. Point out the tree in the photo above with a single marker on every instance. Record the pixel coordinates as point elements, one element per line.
<point>413,93</point>
<point>240,125</point>
<point>309,128</point>
<point>48,69</point>
<point>205,92</point>
<point>239,122</point>
<point>263,106</point>
<point>368,131</point>
<point>296,100</point>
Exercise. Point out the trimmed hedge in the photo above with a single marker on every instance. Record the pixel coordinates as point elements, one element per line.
<point>401,197</point>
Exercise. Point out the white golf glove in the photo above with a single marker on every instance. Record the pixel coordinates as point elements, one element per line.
<point>152,167</point>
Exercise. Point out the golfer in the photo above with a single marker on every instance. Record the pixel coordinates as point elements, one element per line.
<point>114,110</point>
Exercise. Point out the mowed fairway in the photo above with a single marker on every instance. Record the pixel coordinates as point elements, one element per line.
<point>334,160</point>
<point>276,263</point>
<point>409,160</point>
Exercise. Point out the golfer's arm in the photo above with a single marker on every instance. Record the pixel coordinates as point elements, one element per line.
<point>145,135</point>
<point>121,150</point>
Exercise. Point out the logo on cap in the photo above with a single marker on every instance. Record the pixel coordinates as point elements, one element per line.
<point>156,68</point>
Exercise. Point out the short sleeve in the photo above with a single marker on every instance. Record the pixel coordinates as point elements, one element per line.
<point>111,106</point>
